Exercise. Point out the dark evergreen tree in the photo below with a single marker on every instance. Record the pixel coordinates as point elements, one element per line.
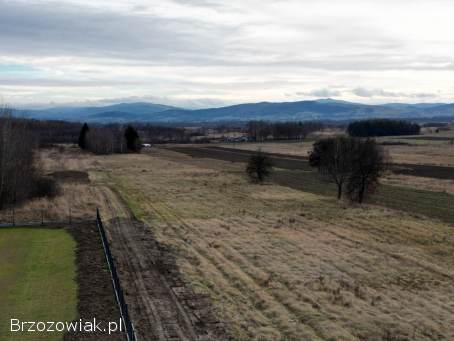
<point>259,167</point>
<point>132,139</point>
<point>82,136</point>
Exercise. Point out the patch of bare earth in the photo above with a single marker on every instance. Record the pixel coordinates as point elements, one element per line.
<point>96,297</point>
<point>161,304</point>
<point>70,176</point>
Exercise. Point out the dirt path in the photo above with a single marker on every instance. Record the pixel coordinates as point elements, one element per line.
<point>160,304</point>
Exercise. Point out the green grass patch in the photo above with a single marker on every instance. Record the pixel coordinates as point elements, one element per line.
<point>37,279</point>
<point>121,186</point>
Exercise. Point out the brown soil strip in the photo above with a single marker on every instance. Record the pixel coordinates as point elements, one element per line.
<point>71,176</point>
<point>425,171</point>
<point>236,155</point>
<point>96,298</point>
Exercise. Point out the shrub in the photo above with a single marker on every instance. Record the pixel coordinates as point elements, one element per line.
<point>45,187</point>
<point>259,167</point>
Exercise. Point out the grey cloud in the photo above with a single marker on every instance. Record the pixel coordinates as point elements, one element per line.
<point>363,62</point>
<point>321,93</point>
<point>424,95</point>
<point>212,49</point>
<point>369,93</point>
<point>363,92</point>
<point>53,29</point>
<point>201,3</point>
<point>58,29</point>
<point>53,82</point>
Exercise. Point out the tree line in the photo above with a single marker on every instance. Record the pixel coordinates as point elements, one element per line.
<point>263,130</point>
<point>52,132</point>
<point>20,179</point>
<point>382,127</point>
<point>152,133</point>
<point>109,139</point>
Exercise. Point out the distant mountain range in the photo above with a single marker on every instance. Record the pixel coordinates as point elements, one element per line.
<point>324,110</point>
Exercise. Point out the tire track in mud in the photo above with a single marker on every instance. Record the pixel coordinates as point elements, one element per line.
<point>160,304</point>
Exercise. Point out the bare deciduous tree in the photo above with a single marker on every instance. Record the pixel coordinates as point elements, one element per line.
<point>262,130</point>
<point>105,140</point>
<point>369,162</point>
<point>332,158</point>
<point>18,175</point>
<point>352,162</point>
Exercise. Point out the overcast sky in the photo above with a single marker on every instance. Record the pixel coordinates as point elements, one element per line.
<point>203,53</point>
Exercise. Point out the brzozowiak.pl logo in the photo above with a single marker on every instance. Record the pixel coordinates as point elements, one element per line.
<point>80,326</point>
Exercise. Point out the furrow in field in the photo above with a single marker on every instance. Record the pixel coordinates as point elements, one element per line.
<point>241,275</point>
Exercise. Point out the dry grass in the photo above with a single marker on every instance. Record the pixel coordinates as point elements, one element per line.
<point>426,152</point>
<point>429,184</point>
<point>282,264</point>
<point>77,200</point>
<point>290,148</point>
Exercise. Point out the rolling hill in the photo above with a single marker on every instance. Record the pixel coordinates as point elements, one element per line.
<point>122,112</point>
<point>325,109</point>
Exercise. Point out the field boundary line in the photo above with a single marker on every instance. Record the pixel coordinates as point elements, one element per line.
<point>129,327</point>
<point>43,224</point>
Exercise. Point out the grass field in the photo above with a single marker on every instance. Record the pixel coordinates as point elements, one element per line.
<point>288,264</point>
<point>37,279</point>
<point>417,195</point>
